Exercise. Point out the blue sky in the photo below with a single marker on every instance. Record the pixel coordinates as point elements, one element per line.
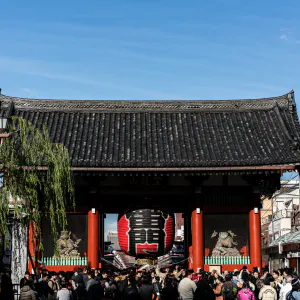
<point>149,49</point>
<point>137,49</point>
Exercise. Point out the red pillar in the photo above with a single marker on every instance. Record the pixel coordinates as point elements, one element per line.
<point>255,238</point>
<point>197,240</point>
<point>33,245</point>
<point>93,238</point>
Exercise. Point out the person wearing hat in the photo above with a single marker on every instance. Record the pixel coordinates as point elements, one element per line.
<point>267,292</point>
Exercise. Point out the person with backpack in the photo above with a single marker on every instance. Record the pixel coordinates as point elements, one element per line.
<point>229,290</point>
<point>267,292</point>
<point>245,293</point>
<point>54,286</point>
<point>294,294</point>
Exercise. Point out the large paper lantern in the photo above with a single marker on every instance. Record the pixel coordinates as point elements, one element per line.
<point>146,232</point>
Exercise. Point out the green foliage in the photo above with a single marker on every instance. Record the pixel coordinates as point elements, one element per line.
<point>36,177</point>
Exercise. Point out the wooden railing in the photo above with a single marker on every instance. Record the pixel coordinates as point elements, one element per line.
<point>77,261</point>
<point>227,260</point>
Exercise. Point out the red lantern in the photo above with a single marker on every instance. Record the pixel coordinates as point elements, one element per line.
<point>146,232</point>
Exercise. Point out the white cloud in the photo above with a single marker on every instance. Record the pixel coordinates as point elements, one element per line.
<point>283,37</point>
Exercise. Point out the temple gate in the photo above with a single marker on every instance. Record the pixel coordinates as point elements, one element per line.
<point>211,160</point>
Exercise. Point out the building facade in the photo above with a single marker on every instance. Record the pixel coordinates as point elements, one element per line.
<point>213,161</point>
<point>112,236</point>
<point>280,223</point>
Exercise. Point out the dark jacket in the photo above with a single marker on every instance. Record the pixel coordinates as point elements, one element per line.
<point>27,293</point>
<point>146,292</point>
<point>79,294</point>
<point>23,282</point>
<point>95,292</point>
<point>130,292</point>
<point>169,293</point>
<point>204,291</point>
<point>90,283</point>
<point>44,289</point>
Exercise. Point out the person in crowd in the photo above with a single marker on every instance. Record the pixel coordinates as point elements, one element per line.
<point>229,289</point>
<point>54,286</point>
<point>115,288</point>
<point>187,287</point>
<point>146,290</point>
<point>77,277</point>
<point>169,291</point>
<point>85,275</point>
<point>94,289</point>
<point>61,277</point>
<point>79,293</point>
<point>24,279</point>
<point>265,272</point>
<point>277,284</point>
<point>98,275</point>
<point>43,288</point>
<point>64,293</point>
<point>258,286</point>
<point>217,288</point>
<point>287,287</point>
<point>235,277</point>
<point>294,294</point>
<point>244,276</point>
<point>91,280</point>
<point>130,292</point>
<point>27,291</point>
<point>267,292</point>
<point>225,273</point>
<point>204,290</point>
<point>245,293</point>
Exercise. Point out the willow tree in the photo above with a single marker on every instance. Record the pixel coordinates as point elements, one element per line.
<point>36,179</point>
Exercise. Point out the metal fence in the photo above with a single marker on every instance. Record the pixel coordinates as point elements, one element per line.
<point>227,260</point>
<point>73,261</point>
<point>16,290</point>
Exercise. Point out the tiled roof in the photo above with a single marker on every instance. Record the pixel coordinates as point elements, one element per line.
<point>291,237</point>
<point>168,133</point>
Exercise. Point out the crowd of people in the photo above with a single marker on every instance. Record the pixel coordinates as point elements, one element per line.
<point>173,283</point>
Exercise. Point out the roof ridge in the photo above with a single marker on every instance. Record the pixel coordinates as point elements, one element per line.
<point>149,105</point>
<point>288,95</point>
